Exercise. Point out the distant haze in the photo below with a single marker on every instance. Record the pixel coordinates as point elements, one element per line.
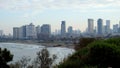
<point>15,13</point>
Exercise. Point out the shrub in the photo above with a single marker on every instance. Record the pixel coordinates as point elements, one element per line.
<point>98,54</point>
<point>115,41</point>
<point>83,42</point>
<point>104,55</point>
<point>44,60</point>
<point>5,57</point>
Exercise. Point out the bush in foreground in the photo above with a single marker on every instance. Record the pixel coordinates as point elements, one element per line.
<point>43,60</point>
<point>83,42</point>
<point>98,54</point>
<point>5,57</point>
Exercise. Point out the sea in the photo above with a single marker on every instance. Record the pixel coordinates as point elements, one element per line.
<point>20,50</point>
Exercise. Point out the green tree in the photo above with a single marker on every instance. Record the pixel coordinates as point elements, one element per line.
<point>5,57</point>
<point>44,60</point>
<point>83,42</point>
<point>98,54</point>
<point>104,55</point>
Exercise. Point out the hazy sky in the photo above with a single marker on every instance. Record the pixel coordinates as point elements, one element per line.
<point>75,12</point>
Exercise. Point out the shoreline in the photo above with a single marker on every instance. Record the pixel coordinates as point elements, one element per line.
<point>46,44</point>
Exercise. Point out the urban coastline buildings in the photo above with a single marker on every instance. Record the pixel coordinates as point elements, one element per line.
<point>63,29</point>
<point>32,32</point>
<point>1,32</point>
<point>70,31</point>
<point>16,33</point>
<point>100,27</point>
<point>38,30</point>
<point>115,28</point>
<point>90,26</point>
<point>108,26</point>
<point>43,32</point>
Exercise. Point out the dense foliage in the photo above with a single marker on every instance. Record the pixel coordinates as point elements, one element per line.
<point>5,57</point>
<point>83,42</point>
<point>98,54</point>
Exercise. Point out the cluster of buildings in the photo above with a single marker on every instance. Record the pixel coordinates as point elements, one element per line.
<point>69,32</point>
<point>32,32</point>
<point>43,32</point>
<point>102,30</point>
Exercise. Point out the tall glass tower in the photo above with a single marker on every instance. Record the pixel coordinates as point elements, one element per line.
<point>100,26</point>
<point>108,26</point>
<point>90,26</point>
<point>63,28</point>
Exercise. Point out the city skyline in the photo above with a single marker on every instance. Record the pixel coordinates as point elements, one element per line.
<point>104,23</point>
<point>74,12</point>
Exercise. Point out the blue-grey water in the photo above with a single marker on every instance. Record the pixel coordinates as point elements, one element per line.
<point>30,50</point>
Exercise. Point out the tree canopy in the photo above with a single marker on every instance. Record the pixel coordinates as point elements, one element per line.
<point>98,54</point>
<point>5,57</point>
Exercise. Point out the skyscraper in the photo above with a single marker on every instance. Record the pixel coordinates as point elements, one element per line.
<point>45,32</point>
<point>119,27</point>
<point>31,31</point>
<point>16,32</point>
<point>38,29</point>
<point>100,26</point>
<point>63,29</point>
<point>105,29</point>
<point>70,30</point>
<point>90,26</point>
<point>46,29</point>
<point>119,24</point>
<point>107,26</point>
<point>22,32</point>
<point>115,28</point>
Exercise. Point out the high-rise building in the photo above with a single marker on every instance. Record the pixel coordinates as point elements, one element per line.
<point>63,28</point>
<point>119,27</point>
<point>1,33</point>
<point>105,29</point>
<point>31,31</point>
<point>57,32</point>
<point>95,30</point>
<point>22,32</point>
<point>119,24</point>
<point>70,30</point>
<point>90,26</point>
<point>16,32</point>
<point>115,28</point>
<point>100,26</point>
<point>38,29</point>
<point>45,31</point>
<point>107,26</point>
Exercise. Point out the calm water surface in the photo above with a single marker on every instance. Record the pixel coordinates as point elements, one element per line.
<point>30,50</point>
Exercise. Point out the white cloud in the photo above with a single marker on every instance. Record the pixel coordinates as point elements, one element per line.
<point>41,5</point>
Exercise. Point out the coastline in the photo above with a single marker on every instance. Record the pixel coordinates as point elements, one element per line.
<point>46,44</point>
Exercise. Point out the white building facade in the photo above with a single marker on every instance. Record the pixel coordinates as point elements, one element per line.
<point>90,26</point>
<point>31,31</point>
